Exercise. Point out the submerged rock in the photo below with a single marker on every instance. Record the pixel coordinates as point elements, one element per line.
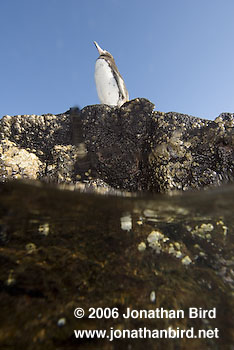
<point>65,250</point>
<point>131,148</point>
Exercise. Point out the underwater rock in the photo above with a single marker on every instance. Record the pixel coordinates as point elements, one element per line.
<point>131,148</point>
<point>63,250</point>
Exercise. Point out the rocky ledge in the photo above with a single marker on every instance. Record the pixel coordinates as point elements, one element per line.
<point>131,148</point>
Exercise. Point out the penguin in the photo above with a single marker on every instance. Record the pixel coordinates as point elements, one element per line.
<point>110,85</point>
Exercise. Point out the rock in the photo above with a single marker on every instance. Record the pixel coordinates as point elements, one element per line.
<point>118,140</point>
<point>131,148</point>
<point>18,163</point>
<point>188,152</point>
<point>63,250</point>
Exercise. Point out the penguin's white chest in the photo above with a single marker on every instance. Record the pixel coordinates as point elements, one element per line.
<point>107,88</point>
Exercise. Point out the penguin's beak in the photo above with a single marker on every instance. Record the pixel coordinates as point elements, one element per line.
<point>101,52</point>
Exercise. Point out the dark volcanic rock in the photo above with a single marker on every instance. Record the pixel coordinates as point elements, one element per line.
<point>188,152</point>
<point>118,140</point>
<point>61,250</point>
<point>129,148</point>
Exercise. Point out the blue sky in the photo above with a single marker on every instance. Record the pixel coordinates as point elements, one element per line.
<point>177,53</point>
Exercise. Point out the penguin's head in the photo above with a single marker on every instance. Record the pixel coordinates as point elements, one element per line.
<point>102,52</point>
